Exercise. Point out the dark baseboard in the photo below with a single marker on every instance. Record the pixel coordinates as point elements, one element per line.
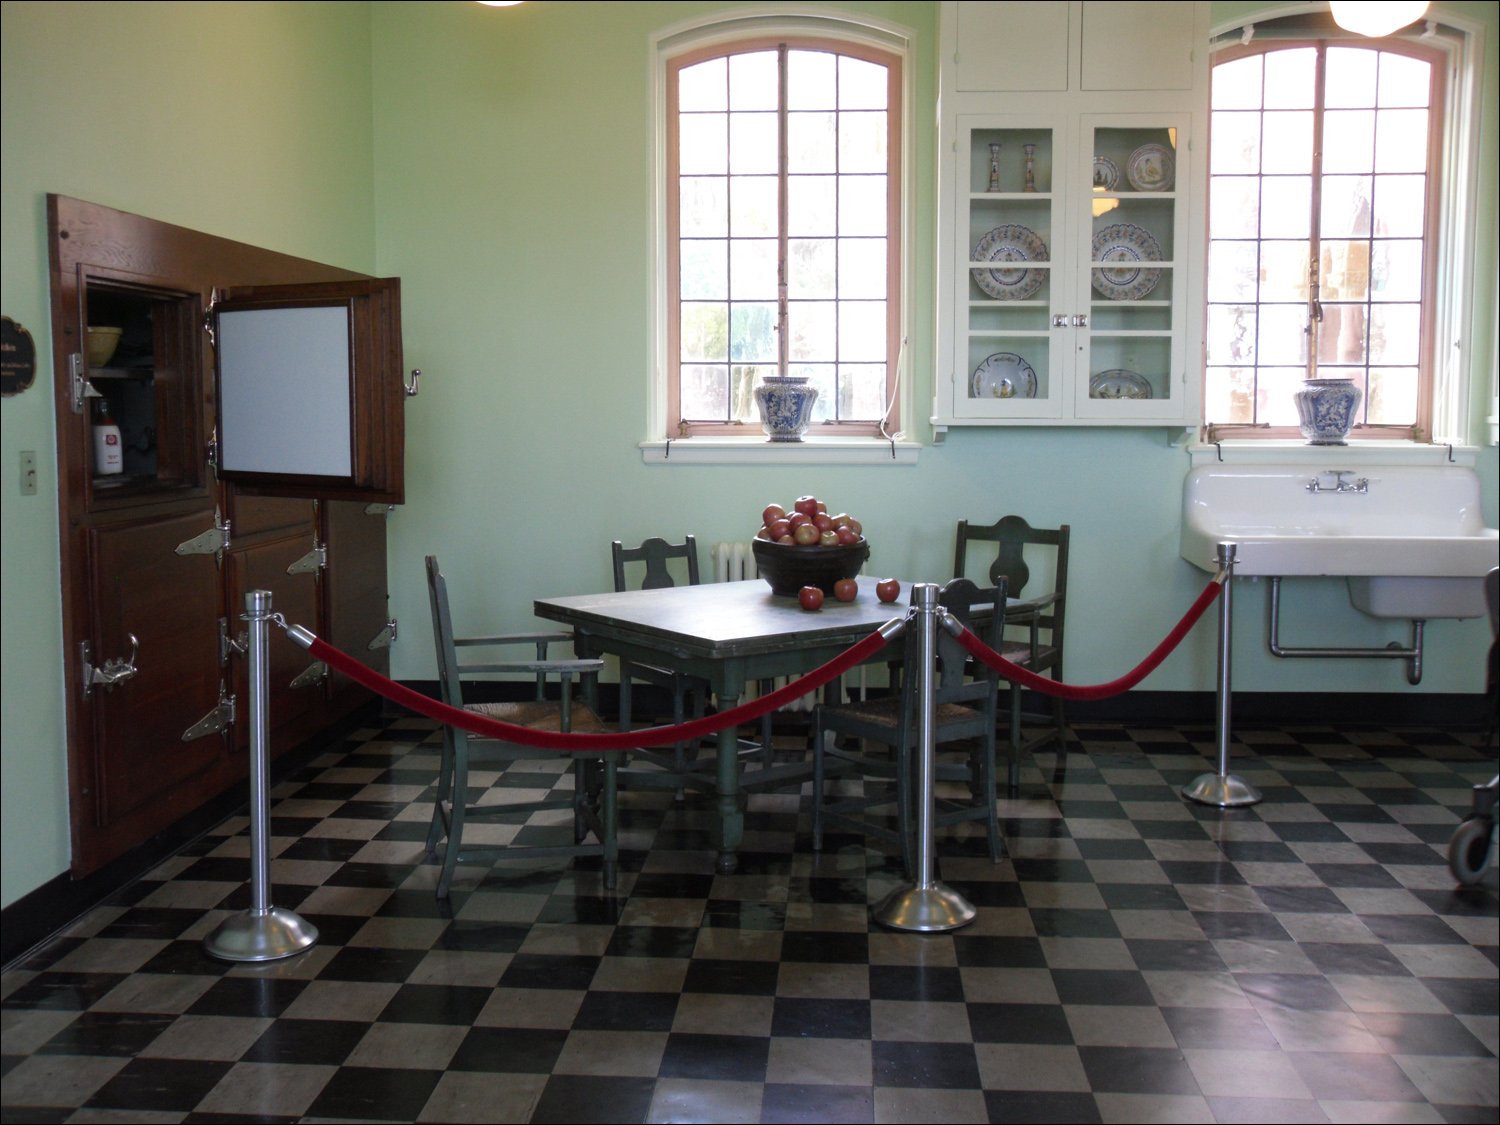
<point>1441,709</point>
<point>36,916</point>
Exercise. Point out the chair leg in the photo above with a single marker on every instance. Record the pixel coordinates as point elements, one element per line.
<point>444,793</point>
<point>460,800</point>
<point>580,799</point>
<point>987,787</point>
<point>679,749</point>
<point>1014,780</point>
<point>610,817</point>
<point>765,728</point>
<point>817,785</point>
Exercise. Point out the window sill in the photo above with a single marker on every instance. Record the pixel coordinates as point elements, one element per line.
<point>759,451</point>
<point>1357,454</point>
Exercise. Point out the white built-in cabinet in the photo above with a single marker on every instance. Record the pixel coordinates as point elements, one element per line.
<point>1066,83</point>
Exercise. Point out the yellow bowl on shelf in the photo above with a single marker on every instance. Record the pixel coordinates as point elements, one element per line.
<point>101,344</point>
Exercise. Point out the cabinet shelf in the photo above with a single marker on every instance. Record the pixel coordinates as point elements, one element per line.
<point>137,374</point>
<point>1134,195</point>
<point>1006,333</point>
<point>1131,304</point>
<point>1011,196</point>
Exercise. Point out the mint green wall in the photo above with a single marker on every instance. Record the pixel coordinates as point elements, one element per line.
<point>497,161</point>
<point>252,121</point>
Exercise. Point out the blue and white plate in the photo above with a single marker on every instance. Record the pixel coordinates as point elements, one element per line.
<point>1151,168</point>
<point>1010,243</point>
<point>1125,246</point>
<point>1119,383</point>
<point>1106,174</point>
<point>1003,375</point>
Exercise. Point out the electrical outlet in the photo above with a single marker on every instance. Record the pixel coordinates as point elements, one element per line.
<point>28,472</point>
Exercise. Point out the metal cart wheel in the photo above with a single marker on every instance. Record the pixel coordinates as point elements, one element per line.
<point>1469,850</point>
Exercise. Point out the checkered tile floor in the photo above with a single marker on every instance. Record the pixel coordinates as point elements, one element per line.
<point>1136,958</point>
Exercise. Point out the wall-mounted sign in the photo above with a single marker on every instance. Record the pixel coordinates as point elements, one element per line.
<point>17,358</point>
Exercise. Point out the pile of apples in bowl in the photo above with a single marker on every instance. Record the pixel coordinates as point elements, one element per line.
<point>807,553</point>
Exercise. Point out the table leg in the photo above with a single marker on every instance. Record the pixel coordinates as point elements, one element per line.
<point>730,827</point>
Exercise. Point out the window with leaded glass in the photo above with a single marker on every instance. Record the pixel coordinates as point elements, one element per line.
<point>783,241</point>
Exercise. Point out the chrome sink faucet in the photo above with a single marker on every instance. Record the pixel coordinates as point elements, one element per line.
<point>1341,482</point>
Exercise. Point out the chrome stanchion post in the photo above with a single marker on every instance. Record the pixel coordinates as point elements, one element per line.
<point>264,932</point>
<point>1223,789</point>
<point>925,906</point>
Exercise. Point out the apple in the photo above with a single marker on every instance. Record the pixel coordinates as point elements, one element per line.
<point>797,519</point>
<point>846,589</point>
<point>855,526</point>
<point>778,528</point>
<point>772,513</point>
<point>805,535</point>
<point>822,507</point>
<point>763,533</point>
<point>807,505</point>
<point>823,522</point>
<point>788,540</point>
<point>846,537</point>
<point>841,520</point>
<point>887,589</point>
<point>811,597</point>
<point>828,539</point>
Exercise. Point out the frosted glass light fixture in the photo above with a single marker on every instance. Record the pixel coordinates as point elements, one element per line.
<point>1377,17</point>
<point>500,3</point>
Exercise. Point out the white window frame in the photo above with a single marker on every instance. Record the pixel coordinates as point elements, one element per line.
<point>721,29</point>
<point>1455,377</point>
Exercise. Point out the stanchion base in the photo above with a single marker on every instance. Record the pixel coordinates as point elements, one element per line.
<point>1227,792</point>
<point>924,910</point>
<point>248,936</point>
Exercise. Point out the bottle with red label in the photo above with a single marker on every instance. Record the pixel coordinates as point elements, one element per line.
<point>109,456</point>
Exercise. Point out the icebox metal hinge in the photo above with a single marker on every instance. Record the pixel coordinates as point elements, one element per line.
<point>314,674</point>
<point>214,541</point>
<point>220,718</point>
<point>111,672</point>
<point>312,562</point>
<point>385,638</point>
<point>79,387</point>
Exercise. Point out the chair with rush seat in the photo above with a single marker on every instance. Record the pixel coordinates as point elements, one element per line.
<point>1011,535</point>
<point>593,801</point>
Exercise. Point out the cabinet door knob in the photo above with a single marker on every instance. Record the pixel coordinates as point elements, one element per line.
<point>1059,320</point>
<point>1080,320</point>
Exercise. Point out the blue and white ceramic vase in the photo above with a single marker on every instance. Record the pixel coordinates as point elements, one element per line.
<point>1326,408</point>
<point>786,406</point>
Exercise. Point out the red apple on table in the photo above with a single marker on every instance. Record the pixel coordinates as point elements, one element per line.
<point>846,589</point>
<point>811,597</point>
<point>807,505</point>
<point>772,513</point>
<point>846,537</point>
<point>887,589</point>
<point>805,535</point>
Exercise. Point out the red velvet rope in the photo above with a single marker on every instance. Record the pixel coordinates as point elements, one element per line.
<point>593,743</point>
<point>1016,674</point>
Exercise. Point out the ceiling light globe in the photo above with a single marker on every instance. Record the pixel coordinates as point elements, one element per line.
<point>1376,18</point>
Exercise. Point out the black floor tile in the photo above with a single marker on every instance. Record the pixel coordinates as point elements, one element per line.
<point>168,1085</point>
<point>1186,872</point>
<point>436,1004</point>
<point>935,983</point>
<point>799,1104</point>
<point>825,948</point>
<point>539,970</point>
<point>1177,956</point>
<point>931,1066</point>
<point>509,1050</point>
<point>330,849</point>
<point>1223,1029</point>
<point>371,1093</point>
<point>582,910</point>
<point>1137,1070</point>
<point>1019,1023</point>
<point>1301,900</point>
<point>1240,925</point>
<point>742,978</point>
<point>1358,959</point>
<point>734,915</point>
<point>1309,831</point>
<point>721,1058</point>
<point>1053,870</point>
<point>123,1034</point>
<point>185,957</point>
<point>818,1018</point>
<point>1354,875</point>
<point>672,885</point>
<point>570,1098</point>
<point>1170,830</point>
<point>1303,993</point>
<point>307,1042</point>
<point>999,952</point>
<point>1411,929</point>
<point>389,966</point>
<point>1141,896</point>
<point>463,936</point>
<point>1101,986</point>
<point>334,929</point>
<point>369,875</point>
<point>1074,923</point>
<point>151,922</point>
<point>248,996</point>
<point>1026,1105</point>
<point>63,991</point>
<point>626,1011</point>
<point>652,941</point>
<point>1466,997</point>
<point>1406,1033</point>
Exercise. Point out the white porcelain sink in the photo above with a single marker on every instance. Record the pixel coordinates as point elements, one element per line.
<point>1391,522</point>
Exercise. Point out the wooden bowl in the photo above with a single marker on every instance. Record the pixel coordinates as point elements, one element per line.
<point>788,568</point>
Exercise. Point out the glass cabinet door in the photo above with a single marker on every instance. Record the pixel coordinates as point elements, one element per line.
<point>1129,350</point>
<point>1009,183</point>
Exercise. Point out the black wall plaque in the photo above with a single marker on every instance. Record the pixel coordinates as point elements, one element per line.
<point>17,358</point>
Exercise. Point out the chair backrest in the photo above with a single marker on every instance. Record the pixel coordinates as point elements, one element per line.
<point>1492,596</point>
<point>1011,535</point>
<point>442,632</point>
<point>960,597</point>
<point>655,552</point>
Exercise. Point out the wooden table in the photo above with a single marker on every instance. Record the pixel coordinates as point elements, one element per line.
<point>726,633</point>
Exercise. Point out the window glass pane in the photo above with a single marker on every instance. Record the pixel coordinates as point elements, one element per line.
<point>702,206</point>
<point>1290,78</point>
<point>810,80</point>
<point>1401,140</point>
<point>1231,334</point>
<point>705,332</point>
<point>862,142</point>
<point>862,205</point>
<point>702,143</point>
<point>1234,210</point>
<point>1274,389</point>
<point>861,330</point>
<point>1229,394</point>
<point>705,270</point>
<point>1236,85</point>
<point>752,332</point>
<point>1401,205</point>
<point>1391,398</point>
<point>752,206</point>
<point>810,268</point>
<point>811,143</point>
<point>1232,271</point>
<point>1286,146</point>
<point>862,266</point>
<point>862,85</point>
<point>861,392</point>
<point>753,143</point>
<point>1346,206</point>
<point>813,330</point>
<point>703,88</point>
<point>1342,335</point>
<point>1235,144</point>
<point>1350,79</point>
<point>752,269</point>
<point>1282,335</point>
<point>742,383</point>
<point>1396,271</point>
<point>1345,270</point>
<point>1287,207</point>
<point>822,376</point>
<point>1395,334</point>
<point>705,393</point>
<point>1283,271</point>
<point>1349,140</point>
<point>811,205</point>
<point>1404,81</point>
<point>753,81</point>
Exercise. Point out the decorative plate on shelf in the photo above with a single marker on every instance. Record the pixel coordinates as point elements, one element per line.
<point>1151,168</point>
<point>1128,245</point>
<point>1119,383</point>
<point>1010,243</point>
<point>1003,375</point>
<point>1106,174</point>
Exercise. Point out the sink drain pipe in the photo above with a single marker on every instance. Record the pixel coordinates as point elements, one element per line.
<point>1392,651</point>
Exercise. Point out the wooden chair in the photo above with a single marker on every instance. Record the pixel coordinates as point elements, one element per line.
<point>1042,614</point>
<point>965,710</point>
<point>594,775</point>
